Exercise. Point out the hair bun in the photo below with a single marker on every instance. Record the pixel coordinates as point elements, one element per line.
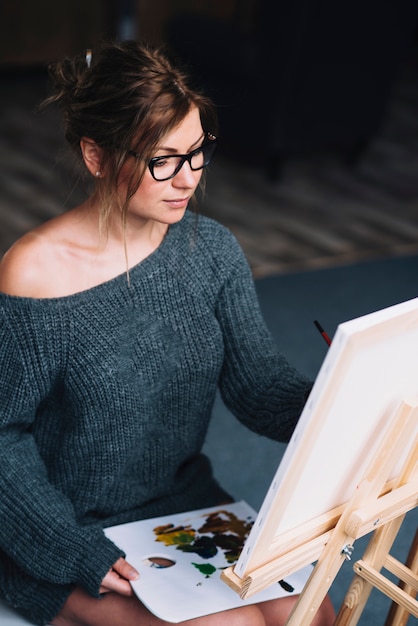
<point>68,77</point>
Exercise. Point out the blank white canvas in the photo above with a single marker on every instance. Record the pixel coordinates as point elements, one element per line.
<point>371,366</point>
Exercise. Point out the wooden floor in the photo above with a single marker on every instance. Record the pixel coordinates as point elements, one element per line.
<point>320,213</point>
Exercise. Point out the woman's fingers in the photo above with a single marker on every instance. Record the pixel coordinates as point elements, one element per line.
<point>117,579</point>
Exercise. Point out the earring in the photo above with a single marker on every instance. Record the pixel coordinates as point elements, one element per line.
<point>98,174</point>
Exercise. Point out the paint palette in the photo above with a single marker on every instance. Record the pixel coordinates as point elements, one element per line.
<point>180,558</point>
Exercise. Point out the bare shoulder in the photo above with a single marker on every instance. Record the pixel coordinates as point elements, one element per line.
<point>23,267</point>
<point>59,258</point>
<point>51,260</point>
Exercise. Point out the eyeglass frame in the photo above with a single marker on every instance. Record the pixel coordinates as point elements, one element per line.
<point>209,141</point>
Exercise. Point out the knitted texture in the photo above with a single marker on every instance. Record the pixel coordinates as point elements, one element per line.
<point>105,399</point>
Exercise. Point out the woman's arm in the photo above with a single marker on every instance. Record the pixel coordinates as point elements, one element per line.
<point>257,383</point>
<point>39,529</point>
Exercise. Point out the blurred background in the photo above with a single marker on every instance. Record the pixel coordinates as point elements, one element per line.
<point>318,155</point>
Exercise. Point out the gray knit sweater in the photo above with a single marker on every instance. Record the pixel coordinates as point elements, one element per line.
<point>105,398</point>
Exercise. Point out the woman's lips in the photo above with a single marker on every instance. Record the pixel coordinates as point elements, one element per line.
<point>178,203</point>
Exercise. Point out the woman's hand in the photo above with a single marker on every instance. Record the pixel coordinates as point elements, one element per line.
<point>118,577</point>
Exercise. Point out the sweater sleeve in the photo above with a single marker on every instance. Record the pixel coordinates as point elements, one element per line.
<point>257,383</point>
<point>38,526</point>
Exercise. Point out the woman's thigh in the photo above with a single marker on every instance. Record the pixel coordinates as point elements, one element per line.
<point>276,612</point>
<point>115,610</point>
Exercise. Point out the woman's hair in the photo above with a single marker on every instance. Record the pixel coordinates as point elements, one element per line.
<point>124,96</point>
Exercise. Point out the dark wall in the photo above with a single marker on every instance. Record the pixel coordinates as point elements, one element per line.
<point>41,31</point>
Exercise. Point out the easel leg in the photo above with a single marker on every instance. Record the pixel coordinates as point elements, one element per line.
<point>375,556</point>
<point>398,615</point>
<point>316,588</point>
<point>332,557</point>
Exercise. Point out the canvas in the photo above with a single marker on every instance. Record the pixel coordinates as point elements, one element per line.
<point>370,368</point>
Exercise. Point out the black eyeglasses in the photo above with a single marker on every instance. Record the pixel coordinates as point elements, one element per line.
<point>166,167</point>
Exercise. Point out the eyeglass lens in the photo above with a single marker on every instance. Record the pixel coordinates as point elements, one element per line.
<point>163,168</point>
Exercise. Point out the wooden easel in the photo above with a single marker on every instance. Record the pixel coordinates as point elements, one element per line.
<point>399,614</point>
<point>378,504</point>
<point>368,575</point>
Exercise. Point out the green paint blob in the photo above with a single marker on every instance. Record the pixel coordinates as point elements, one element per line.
<point>205,568</point>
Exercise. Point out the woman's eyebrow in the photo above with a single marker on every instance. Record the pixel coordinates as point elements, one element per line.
<point>175,151</point>
<point>195,144</point>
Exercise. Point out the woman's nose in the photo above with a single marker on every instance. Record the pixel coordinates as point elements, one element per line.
<point>186,177</point>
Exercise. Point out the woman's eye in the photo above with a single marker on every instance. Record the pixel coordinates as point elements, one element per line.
<point>160,163</point>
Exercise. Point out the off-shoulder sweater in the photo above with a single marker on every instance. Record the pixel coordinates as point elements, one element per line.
<point>105,399</point>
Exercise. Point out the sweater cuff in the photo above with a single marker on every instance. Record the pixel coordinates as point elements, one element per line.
<point>96,563</point>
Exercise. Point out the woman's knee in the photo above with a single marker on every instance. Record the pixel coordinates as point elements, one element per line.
<point>325,615</point>
<point>245,616</point>
<point>277,612</point>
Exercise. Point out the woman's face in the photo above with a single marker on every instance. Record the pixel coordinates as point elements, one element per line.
<point>166,201</point>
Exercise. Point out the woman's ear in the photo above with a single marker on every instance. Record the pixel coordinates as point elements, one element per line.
<point>92,156</point>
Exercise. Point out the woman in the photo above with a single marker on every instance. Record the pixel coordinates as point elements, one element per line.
<point>119,321</point>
